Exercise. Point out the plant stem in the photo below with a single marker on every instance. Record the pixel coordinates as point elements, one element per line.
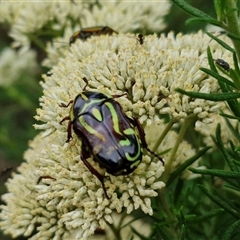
<point>170,217</point>
<point>232,22</point>
<point>164,133</point>
<point>115,231</point>
<point>37,41</point>
<point>169,162</point>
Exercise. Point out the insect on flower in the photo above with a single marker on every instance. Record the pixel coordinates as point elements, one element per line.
<point>223,64</point>
<point>113,139</point>
<point>86,33</point>
<point>140,37</point>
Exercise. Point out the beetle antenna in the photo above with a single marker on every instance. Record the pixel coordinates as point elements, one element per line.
<point>154,154</point>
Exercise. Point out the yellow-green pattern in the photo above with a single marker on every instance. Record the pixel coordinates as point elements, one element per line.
<point>107,132</point>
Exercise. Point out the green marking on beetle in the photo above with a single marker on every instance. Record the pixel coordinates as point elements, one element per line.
<point>134,158</point>
<point>129,131</point>
<point>114,118</point>
<point>90,129</point>
<point>71,114</point>
<point>97,114</point>
<point>135,164</point>
<point>84,97</point>
<point>124,142</point>
<point>92,102</point>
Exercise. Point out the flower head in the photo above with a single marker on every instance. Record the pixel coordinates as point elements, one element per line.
<point>28,19</point>
<point>148,73</point>
<point>13,65</point>
<point>69,195</point>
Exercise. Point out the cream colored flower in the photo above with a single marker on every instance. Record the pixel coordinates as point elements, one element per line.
<point>71,199</point>
<point>123,222</point>
<point>13,65</point>
<point>29,19</point>
<point>209,130</point>
<point>148,15</point>
<point>148,73</point>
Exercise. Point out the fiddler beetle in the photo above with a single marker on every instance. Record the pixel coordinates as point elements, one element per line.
<point>113,139</point>
<point>86,33</point>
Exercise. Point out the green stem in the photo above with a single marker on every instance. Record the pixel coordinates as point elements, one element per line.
<point>169,162</point>
<point>37,41</point>
<point>164,133</point>
<point>115,231</point>
<point>231,11</point>
<point>170,217</point>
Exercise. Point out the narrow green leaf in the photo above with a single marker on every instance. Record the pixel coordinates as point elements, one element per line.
<point>222,203</point>
<point>219,9</point>
<point>131,238</point>
<point>230,116</point>
<point>232,129</point>
<point>186,163</point>
<point>222,43</point>
<point>205,216</point>
<point>218,77</point>
<point>235,74</point>
<point>138,234</point>
<point>216,97</point>
<point>220,145</point>
<point>235,60</point>
<point>237,149</point>
<point>159,233</point>
<point>235,77</point>
<point>233,104</point>
<point>210,61</point>
<point>228,235</point>
<point>216,172</point>
<point>233,36</point>
<point>184,235</point>
<point>191,10</point>
<point>130,222</point>
<point>207,20</point>
<point>234,154</point>
<point>232,187</point>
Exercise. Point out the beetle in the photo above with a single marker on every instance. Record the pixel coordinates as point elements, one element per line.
<point>114,140</point>
<point>140,37</point>
<point>223,64</point>
<point>86,33</point>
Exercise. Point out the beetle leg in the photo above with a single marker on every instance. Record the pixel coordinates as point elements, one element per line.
<point>97,174</point>
<point>136,123</point>
<point>84,156</point>
<point>120,95</point>
<point>69,128</point>
<point>65,105</point>
<point>46,176</point>
<point>64,119</point>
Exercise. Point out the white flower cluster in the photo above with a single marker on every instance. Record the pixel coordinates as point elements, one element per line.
<point>29,20</point>
<point>148,73</point>
<point>209,130</point>
<point>14,65</point>
<point>71,198</point>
